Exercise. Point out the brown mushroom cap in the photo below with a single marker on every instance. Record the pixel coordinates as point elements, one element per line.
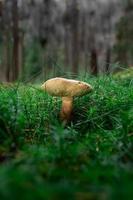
<point>66,87</point>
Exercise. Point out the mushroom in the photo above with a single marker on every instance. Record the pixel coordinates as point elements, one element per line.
<point>67,89</point>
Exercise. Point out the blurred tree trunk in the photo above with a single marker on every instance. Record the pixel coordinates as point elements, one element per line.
<point>85,42</point>
<point>67,22</point>
<point>5,32</point>
<point>93,61</point>
<point>1,6</point>
<point>75,35</point>
<point>92,41</point>
<point>44,37</point>
<point>107,34</point>
<point>21,52</point>
<point>15,34</point>
<point>108,59</point>
<point>1,11</point>
<point>6,55</point>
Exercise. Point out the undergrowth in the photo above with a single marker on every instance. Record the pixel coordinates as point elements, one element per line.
<point>90,158</point>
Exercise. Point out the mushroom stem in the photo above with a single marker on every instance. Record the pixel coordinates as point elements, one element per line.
<point>66,110</point>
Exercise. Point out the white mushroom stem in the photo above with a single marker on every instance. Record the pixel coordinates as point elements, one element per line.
<point>66,110</point>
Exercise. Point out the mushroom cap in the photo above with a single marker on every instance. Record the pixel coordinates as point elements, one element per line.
<point>66,87</point>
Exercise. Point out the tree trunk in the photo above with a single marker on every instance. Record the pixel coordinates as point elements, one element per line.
<point>6,56</point>
<point>1,7</point>
<point>92,44</point>
<point>108,58</point>
<point>15,34</point>
<point>93,62</point>
<point>85,42</point>
<point>75,36</point>
<point>67,35</point>
<point>20,53</point>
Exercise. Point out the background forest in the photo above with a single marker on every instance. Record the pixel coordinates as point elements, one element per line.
<point>42,37</point>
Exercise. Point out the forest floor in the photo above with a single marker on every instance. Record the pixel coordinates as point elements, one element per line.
<point>91,158</point>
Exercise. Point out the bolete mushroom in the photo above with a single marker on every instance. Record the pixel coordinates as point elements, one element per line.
<point>67,89</point>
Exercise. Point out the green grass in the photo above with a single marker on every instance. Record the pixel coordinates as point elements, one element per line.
<point>90,158</point>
